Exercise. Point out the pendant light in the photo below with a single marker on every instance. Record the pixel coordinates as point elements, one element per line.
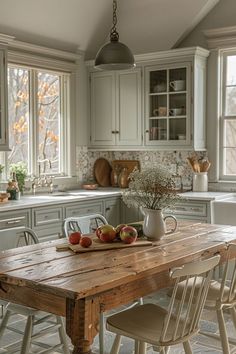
<point>114,55</point>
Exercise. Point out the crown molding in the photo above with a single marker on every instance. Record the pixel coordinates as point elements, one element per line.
<point>221,37</point>
<point>172,53</point>
<point>14,45</point>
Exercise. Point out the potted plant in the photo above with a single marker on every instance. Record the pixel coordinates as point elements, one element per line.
<point>153,190</point>
<point>20,170</point>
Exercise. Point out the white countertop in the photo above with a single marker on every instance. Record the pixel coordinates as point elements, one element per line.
<point>39,200</point>
<point>207,196</point>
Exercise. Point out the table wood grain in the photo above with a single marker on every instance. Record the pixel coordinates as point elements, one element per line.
<point>80,286</point>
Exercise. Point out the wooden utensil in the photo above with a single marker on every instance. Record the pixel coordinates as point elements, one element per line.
<point>102,172</point>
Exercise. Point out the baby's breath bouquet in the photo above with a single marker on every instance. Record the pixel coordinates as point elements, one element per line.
<point>152,188</point>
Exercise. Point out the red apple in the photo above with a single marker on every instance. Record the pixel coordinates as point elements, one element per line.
<point>128,234</point>
<point>107,233</point>
<point>118,230</point>
<point>98,231</point>
<point>85,241</point>
<point>74,237</point>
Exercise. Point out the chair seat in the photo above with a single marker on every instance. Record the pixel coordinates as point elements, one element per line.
<point>148,330</point>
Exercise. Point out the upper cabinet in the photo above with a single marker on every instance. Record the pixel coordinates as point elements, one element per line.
<point>4,140</point>
<point>167,112</point>
<point>115,108</point>
<point>168,104</point>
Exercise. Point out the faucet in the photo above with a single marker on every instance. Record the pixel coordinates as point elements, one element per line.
<point>43,181</point>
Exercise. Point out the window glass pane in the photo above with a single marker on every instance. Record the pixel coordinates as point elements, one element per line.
<point>231,70</point>
<point>230,133</point>
<point>49,121</point>
<point>230,161</point>
<point>230,101</point>
<point>18,114</point>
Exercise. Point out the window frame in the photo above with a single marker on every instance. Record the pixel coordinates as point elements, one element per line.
<point>27,54</point>
<point>33,127</point>
<point>224,54</point>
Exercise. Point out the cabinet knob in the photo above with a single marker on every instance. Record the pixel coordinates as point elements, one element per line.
<point>117,132</point>
<point>147,131</point>
<point>108,208</point>
<point>113,132</point>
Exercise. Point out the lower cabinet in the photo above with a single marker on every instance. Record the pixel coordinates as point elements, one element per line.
<point>132,214</point>
<point>15,219</point>
<point>193,210</point>
<point>112,211</point>
<point>83,208</point>
<point>47,222</point>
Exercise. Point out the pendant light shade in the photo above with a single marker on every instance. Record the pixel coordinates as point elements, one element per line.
<point>114,55</point>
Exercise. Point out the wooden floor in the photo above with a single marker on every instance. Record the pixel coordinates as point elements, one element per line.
<point>208,323</point>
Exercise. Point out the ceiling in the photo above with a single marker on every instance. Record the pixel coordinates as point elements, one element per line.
<point>144,25</point>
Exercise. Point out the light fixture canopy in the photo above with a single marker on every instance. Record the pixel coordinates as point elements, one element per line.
<point>114,55</point>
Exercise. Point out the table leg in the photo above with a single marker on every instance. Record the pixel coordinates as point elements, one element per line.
<point>82,319</point>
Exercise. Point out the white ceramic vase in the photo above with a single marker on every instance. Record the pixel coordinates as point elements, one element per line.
<point>154,225</point>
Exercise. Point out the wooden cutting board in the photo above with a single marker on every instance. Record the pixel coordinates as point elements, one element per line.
<point>97,245</point>
<point>102,172</point>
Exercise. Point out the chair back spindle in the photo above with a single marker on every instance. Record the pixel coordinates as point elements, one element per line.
<point>184,313</point>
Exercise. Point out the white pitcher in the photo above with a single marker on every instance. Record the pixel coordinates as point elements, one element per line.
<point>154,226</point>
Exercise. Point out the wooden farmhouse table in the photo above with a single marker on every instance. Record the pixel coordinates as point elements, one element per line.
<point>80,286</point>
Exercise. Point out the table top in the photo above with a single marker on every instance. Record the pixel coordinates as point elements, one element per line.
<point>71,275</point>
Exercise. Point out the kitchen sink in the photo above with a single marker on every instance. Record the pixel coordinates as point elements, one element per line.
<point>224,211</point>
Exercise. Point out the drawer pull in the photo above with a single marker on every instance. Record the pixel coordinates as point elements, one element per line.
<point>108,208</point>
<point>13,222</point>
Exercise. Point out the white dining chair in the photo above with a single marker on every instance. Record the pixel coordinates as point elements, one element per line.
<point>221,298</point>
<point>162,328</point>
<point>88,224</point>
<point>38,324</point>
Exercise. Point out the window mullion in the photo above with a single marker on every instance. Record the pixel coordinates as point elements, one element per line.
<point>34,122</point>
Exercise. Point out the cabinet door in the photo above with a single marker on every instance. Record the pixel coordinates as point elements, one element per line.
<point>131,214</point>
<point>112,211</point>
<point>4,139</point>
<point>15,219</point>
<point>47,222</point>
<point>102,108</point>
<point>128,107</point>
<point>79,209</point>
<point>168,105</point>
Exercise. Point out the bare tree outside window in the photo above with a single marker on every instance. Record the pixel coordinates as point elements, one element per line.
<point>35,119</point>
<point>18,113</point>
<point>49,121</point>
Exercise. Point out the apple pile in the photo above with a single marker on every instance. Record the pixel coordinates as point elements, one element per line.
<point>122,232</point>
<point>76,238</point>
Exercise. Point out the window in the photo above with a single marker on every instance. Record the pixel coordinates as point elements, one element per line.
<point>228,116</point>
<point>38,116</point>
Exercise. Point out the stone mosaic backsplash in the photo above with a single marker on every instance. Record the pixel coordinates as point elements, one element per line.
<point>175,161</point>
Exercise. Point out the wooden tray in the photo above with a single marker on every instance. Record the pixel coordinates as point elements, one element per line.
<point>97,245</point>
<point>102,172</point>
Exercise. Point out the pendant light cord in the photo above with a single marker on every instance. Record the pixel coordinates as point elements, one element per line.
<point>114,36</point>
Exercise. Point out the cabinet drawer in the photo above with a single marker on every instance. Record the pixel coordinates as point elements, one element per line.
<point>50,233</point>
<point>83,209</point>
<point>15,219</point>
<point>47,216</point>
<point>190,209</point>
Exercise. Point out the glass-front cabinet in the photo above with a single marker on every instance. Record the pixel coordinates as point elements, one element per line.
<point>168,101</point>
